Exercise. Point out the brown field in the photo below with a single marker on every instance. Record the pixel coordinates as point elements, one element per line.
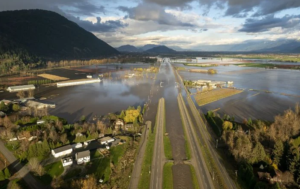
<point>15,80</point>
<point>53,77</point>
<point>214,95</point>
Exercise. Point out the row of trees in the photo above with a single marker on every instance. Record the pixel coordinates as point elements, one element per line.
<point>272,144</point>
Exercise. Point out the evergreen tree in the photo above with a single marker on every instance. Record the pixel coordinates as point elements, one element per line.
<point>258,153</point>
<point>2,176</point>
<point>3,107</point>
<point>293,158</point>
<point>278,152</point>
<point>6,173</point>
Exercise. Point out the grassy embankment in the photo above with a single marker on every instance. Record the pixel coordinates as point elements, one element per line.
<point>168,176</point>
<point>194,177</point>
<point>269,66</point>
<point>214,95</point>
<point>144,181</point>
<point>187,144</point>
<point>279,58</point>
<point>167,142</point>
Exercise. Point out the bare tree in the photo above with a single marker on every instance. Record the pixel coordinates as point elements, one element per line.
<point>21,94</point>
<point>31,93</point>
<point>33,164</point>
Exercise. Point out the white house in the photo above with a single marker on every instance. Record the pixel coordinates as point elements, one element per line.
<point>77,145</point>
<point>20,88</point>
<point>67,161</point>
<point>106,140</point>
<point>62,151</point>
<point>83,157</point>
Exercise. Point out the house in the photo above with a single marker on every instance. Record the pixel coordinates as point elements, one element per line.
<point>128,126</point>
<point>106,140</point>
<point>67,161</point>
<point>119,123</point>
<point>62,151</point>
<point>20,88</point>
<point>77,145</point>
<point>89,76</point>
<point>2,114</point>
<point>39,122</point>
<point>83,157</point>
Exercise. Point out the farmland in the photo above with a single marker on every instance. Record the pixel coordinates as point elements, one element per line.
<point>214,95</point>
<point>53,77</point>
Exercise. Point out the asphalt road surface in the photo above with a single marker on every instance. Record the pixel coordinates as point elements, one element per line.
<point>203,175</point>
<point>137,168</point>
<point>158,155</point>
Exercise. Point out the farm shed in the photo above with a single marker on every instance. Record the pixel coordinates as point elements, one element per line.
<point>20,88</point>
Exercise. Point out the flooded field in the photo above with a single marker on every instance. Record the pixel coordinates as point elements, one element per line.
<point>111,95</point>
<point>264,93</point>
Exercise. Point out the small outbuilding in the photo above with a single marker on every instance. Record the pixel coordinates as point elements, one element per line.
<point>83,157</point>
<point>67,161</point>
<point>62,151</point>
<point>20,88</point>
<point>106,140</point>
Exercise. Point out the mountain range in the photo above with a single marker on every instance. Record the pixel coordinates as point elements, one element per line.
<point>268,46</point>
<point>47,35</point>
<point>149,48</point>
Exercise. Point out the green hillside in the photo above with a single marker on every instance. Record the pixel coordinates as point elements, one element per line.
<point>31,36</point>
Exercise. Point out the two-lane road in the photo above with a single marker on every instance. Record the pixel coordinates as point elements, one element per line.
<point>158,159</point>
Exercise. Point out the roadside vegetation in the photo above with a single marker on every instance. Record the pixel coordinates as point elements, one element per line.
<point>168,176</point>
<point>167,142</point>
<point>194,178</point>
<point>264,152</point>
<point>204,98</point>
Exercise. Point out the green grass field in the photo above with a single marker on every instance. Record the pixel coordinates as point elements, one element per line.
<point>214,95</point>
<point>168,176</point>
<point>52,170</point>
<point>167,142</point>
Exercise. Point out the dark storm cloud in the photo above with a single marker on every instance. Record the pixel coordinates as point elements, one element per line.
<point>236,8</point>
<point>153,12</point>
<point>265,24</point>
<point>99,26</point>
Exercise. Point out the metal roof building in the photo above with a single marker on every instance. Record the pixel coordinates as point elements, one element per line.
<point>77,82</point>
<point>20,88</point>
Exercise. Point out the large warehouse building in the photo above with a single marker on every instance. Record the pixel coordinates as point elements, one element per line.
<point>20,88</point>
<point>77,82</point>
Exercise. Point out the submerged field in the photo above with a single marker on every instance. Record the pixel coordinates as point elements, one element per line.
<point>214,95</point>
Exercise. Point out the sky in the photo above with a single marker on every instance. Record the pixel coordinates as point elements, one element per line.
<point>188,24</point>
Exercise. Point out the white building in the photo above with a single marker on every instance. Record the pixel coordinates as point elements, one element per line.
<point>77,145</point>
<point>20,88</point>
<point>67,161</point>
<point>89,76</point>
<point>62,151</point>
<point>77,82</point>
<point>83,157</point>
<point>106,140</point>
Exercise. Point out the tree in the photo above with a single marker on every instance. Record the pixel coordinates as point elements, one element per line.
<point>258,153</point>
<point>89,183</point>
<point>16,107</point>
<point>2,176</point>
<point>227,125</point>
<point>13,185</point>
<point>21,94</point>
<point>293,157</point>
<point>82,118</point>
<point>3,107</point>
<point>6,173</point>
<point>278,152</point>
<point>31,93</point>
<point>63,138</point>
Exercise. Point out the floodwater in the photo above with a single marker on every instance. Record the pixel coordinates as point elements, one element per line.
<point>253,104</point>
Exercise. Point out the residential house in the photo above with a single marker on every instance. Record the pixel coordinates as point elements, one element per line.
<point>119,123</point>
<point>106,140</point>
<point>62,151</point>
<point>83,157</point>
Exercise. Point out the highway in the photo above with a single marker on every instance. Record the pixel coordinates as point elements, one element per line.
<point>204,178</point>
<point>158,159</point>
<point>204,139</point>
